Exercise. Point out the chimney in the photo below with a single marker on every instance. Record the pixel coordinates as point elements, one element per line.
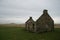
<point>45,11</point>
<point>30,17</point>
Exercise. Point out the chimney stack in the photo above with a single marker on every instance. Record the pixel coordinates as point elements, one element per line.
<point>45,11</point>
<point>30,17</point>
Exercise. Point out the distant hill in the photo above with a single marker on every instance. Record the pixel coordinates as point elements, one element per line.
<point>57,25</point>
<point>12,25</point>
<point>22,25</point>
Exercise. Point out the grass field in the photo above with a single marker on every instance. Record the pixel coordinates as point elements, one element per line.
<point>18,33</point>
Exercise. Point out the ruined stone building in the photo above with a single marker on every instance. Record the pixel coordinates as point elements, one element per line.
<point>43,24</point>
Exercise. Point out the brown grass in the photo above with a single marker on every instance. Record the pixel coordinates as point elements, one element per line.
<point>57,26</point>
<point>22,25</point>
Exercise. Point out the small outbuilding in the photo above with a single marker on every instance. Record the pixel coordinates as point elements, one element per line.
<point>30,24</point>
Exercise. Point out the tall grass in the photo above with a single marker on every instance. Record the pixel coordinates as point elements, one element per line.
<point>18,33</point>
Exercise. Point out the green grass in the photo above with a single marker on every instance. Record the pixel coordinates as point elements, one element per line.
<point>15,33</point>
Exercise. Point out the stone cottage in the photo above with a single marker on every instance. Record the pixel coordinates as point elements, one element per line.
<point>43,24</point>
<point>30,24</point>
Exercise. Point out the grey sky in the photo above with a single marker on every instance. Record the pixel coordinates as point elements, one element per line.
<point>18,11</point>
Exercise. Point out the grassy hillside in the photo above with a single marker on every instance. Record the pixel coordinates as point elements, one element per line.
<point>22,25</point>
<point>18,33</point>
<point>12,25</point>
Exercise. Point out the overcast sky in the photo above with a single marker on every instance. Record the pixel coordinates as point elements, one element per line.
<point>18,11</point>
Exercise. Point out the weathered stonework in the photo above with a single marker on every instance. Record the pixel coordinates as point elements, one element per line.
<point>43,24</point>
<point>30,24</point>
